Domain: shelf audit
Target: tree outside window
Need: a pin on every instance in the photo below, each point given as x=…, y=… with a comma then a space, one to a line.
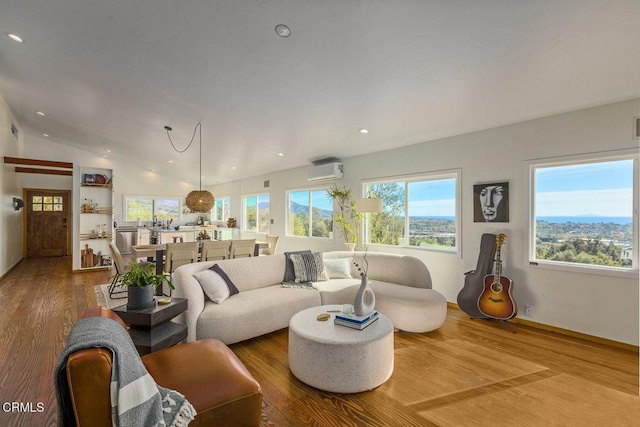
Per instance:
x=421, y=212
x=257, y=215
x=310, y=214
x=222, y=209
x=145, y=208
x=582, y=212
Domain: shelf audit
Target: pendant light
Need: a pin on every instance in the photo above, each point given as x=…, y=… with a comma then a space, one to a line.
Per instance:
x=197, y=200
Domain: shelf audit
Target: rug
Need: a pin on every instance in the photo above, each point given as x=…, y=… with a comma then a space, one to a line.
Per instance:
x=104, y=300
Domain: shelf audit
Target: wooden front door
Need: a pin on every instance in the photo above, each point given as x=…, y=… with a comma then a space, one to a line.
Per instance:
x=47, y=223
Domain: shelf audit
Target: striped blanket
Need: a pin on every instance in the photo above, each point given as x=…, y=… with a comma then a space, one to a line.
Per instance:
x=136, y=399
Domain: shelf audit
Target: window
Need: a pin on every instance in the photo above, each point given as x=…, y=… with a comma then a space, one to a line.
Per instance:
x=145, y=208
x=310, y=213
x=222, y=209
x=418, y=212
x=256, y=213
x=582, y=212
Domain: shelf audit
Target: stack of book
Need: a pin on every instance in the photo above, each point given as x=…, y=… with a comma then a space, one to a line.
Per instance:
x=356, y=322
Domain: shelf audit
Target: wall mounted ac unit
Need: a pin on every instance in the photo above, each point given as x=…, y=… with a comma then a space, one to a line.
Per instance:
x=325, y=172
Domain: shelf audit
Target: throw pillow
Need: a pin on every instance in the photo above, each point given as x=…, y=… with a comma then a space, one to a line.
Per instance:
x=339, y=268
x=289, y=274
x=216, y=284
x=232, y=287
x=307, y=267
x=305, y=285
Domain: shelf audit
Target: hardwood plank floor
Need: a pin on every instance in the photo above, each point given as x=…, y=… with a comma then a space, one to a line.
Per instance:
x=467, y=373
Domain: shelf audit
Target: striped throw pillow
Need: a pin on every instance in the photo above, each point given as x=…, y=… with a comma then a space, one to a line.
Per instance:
x=308, y=267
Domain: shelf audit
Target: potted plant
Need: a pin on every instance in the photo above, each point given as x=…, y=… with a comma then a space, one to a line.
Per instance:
x=141, y=282
x=348, y=218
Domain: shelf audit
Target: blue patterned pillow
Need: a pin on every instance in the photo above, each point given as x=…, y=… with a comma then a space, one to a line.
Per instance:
x=308, y=267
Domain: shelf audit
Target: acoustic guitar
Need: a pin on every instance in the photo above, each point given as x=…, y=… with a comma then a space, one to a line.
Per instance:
x=474, y=279
x=496, y=300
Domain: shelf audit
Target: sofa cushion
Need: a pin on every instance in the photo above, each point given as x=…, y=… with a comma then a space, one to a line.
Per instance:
x=216, y=284
x=339, y=268
x=337, y=291
x=255, y=313
x=289, y=273
x=307, y=267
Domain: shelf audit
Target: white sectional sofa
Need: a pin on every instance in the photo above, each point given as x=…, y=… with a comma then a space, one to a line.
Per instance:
x=402, y=286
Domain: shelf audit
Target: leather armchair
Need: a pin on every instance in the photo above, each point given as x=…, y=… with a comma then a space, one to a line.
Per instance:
x=206, y=372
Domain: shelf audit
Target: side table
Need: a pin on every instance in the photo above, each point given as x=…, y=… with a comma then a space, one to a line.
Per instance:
x=151, y=328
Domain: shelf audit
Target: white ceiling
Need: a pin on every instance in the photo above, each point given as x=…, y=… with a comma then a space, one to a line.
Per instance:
x=110, y=74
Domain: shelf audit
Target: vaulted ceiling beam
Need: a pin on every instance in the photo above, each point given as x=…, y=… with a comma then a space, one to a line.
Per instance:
x=37, y=162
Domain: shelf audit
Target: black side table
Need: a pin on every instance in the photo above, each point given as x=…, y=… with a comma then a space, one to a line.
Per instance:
x=151, y=328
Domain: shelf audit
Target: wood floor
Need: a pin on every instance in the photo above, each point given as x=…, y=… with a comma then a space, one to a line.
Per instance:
x=467, y=373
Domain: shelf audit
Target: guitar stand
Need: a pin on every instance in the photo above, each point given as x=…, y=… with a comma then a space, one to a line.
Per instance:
x=502, y=322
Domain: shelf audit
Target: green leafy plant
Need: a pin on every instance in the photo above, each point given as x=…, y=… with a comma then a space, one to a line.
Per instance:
x=348, y=218
x=143, y=275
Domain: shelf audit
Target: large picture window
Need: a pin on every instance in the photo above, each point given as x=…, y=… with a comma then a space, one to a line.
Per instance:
x=257, y=215
x=310, y=213
x=222, y=209
x=145, y=208
x=582, y=212
x=418, y=212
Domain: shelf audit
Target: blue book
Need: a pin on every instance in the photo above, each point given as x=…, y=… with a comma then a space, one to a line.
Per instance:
x=358, y=320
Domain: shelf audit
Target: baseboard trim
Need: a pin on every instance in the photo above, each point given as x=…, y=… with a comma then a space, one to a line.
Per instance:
x=90, y=270
x=10, y=269
x=567, y=332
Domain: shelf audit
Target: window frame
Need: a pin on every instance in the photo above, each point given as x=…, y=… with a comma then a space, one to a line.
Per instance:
x=531, y=166
x=309, y=190
x=244, y=212
x=126, y=197
x=421, y=177
x=214, y=212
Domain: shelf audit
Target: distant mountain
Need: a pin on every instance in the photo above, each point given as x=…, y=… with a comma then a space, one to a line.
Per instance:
x=298, y=209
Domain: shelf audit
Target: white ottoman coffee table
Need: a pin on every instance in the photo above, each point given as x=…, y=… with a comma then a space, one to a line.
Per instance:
x=336, y=358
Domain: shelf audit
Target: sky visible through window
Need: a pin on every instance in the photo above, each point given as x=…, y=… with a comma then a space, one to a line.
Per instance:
x=302, y=198
x=602, y=189
x=435, y=198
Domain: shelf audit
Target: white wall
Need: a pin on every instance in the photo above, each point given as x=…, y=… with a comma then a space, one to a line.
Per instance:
x=127, y=178
x=10, y=182
x=597, y=305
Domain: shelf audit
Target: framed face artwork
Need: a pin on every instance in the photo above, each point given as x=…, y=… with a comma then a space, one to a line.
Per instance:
x=491, y=202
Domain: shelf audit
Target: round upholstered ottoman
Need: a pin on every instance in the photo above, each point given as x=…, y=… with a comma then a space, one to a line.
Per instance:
x=337, y=358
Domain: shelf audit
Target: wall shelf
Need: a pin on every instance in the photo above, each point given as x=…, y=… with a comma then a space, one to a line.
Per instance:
x=95, y=209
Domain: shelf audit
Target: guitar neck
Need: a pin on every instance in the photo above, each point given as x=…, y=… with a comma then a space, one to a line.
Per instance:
x=498, y=262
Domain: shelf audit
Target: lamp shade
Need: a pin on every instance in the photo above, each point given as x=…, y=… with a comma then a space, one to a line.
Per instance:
x=369, y=205
x=200, y=201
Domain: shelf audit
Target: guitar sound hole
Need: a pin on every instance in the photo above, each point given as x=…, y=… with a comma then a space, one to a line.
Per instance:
x=496, y=287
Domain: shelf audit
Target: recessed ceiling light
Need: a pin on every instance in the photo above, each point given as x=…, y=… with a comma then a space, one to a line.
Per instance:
x=170, y=161
x=40, y=113
x=281, y=154
x=104, y=155
x=45, y=134
x=282, y=30
x=234, y=167
x=153, y=170
x=14, y=37
x=107, y=150
x=364, y=131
